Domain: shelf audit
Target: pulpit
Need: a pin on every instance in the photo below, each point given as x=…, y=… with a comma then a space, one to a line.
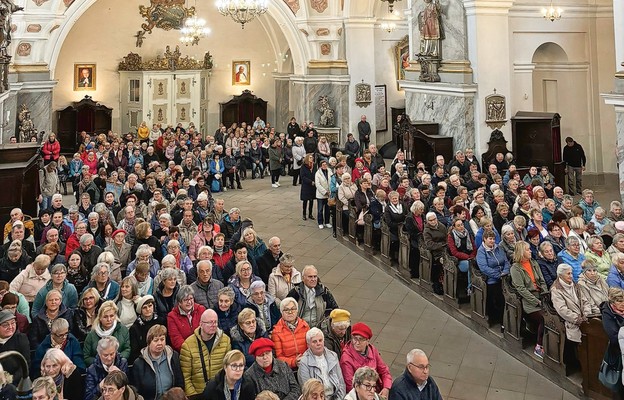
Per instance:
x=19, y=176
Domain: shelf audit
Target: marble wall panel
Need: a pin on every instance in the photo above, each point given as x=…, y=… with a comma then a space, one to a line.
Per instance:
x=304, y=97
x=282, y=109
x=40, y=106
x=9, y=105
x=455, y=45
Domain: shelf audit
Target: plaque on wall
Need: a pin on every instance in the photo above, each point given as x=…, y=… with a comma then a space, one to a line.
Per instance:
x=184, y=112
x=381, y=108
x=184, y=88
x=160, y=89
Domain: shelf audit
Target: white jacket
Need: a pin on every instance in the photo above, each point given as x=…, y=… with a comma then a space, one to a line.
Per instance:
x=322, y=184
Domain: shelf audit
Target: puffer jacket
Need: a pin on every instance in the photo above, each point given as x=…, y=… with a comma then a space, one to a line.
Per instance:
x=192, y=351
x=143, y=374
x=602, y=263
x=179, y=327
x=288, y=344
x=229, y=227
x=351, y=360
x=70, y=296
x=242, y=342
x=40, y=326
x=594, y=292
x=96, y=373
x=280, y=380
x=575, y=263
x=493, y=263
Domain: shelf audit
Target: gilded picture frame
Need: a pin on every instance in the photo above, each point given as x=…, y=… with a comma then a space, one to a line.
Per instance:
x=402, y=58
x=241, y=73
x=85, y=78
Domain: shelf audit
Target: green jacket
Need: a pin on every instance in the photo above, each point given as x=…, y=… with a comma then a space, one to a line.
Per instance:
x=121, y=333
x=522, y=283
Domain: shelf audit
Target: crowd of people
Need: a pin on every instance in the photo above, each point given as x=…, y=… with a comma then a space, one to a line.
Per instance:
x=140, y=292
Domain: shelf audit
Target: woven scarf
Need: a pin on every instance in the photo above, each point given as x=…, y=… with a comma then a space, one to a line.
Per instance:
x=458, y=237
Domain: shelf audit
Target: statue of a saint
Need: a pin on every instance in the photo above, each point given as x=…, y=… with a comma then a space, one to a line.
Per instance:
x=431, y=30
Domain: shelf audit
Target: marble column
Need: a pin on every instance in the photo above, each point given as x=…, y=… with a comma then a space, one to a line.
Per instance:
x=282, y=101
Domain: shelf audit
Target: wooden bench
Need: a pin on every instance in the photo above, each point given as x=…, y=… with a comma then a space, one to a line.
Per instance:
x=594, y=342
x=339, y=227
x=478, y=297
x=455, y=282
x=385, y=243
x=554, y=336
x=404, y=254
x=352, y=222
x=426, y=265
x=512, y=318
x=368, y=234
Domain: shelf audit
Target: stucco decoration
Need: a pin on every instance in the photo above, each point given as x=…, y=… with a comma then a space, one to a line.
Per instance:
x=319, y=5
x=169, y=61
x=325, y=49
x=293, y=5
x=363, y=96
x=23, y=50
x=163, y=14
x=39, y=3
x=304, y=32
x=55, y=27
x=33, y=28
x=322, y=32
x=495, y=107
x=339, y=31
x=13, y=28
x=68, y=2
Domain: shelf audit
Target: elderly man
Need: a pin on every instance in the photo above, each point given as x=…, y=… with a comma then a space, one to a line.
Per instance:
x=460, y=162
x=19, y=232
x=201, y=355
x=415, y=383
x=218, y=212
x=337, y=330
x=127, y=223
x=269, y=373
x=52, y=236
x=89, y=251
x=434, y=236
x=377, y=159
x=315, y=300
x=320, y=363
x=17, y=215
x=206, y=289
x=270, y=259
x=188, y=227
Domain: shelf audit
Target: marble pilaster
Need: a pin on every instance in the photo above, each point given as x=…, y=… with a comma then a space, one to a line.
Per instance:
x=617, y=100
x=282, y=109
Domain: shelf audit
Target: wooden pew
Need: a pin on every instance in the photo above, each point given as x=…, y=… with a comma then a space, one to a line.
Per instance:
x=455, y=282
x=352, y=222
x=385, y=243
x=426, y=264
x=593, y=345
x=368, y=234
x=554, y=336
x=339, y=227
x=512, y=318
x=404, y=254
x=478, y=298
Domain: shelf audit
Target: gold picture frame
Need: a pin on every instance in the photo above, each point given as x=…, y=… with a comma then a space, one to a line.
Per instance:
x=241, y=73
x=85, y=77
x=401, y=58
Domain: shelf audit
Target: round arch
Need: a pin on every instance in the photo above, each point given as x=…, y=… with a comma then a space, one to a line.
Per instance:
x=549, y=52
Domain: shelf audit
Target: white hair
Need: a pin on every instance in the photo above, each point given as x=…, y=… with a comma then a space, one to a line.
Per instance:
x=413, y=353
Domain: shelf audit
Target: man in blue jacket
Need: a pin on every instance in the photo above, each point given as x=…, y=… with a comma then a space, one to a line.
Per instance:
x=415, y=383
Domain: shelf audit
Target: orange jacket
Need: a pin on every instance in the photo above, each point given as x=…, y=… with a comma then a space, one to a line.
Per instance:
x=288, y=344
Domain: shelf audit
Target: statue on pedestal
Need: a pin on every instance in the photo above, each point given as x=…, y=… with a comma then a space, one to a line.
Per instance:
x=431, y=34
x=27, y=129
x=327, y=114
x=7, y=8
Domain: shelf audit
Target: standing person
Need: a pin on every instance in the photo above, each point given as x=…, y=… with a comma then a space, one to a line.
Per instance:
x=415, y=381
x=574, y=157
x=51, y=149
x=364, y=131
x=48, y=184
x=275, y=162
x=321, y=183
x=299, y=154
x=308, y=191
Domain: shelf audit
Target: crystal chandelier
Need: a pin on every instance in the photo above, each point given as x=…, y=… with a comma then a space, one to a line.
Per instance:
x=390, y=4
x=242, y=11
x=388, y=26
x=551, y=13
x=194, y=29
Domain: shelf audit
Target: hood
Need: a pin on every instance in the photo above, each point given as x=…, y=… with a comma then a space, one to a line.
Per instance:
x=237, y=335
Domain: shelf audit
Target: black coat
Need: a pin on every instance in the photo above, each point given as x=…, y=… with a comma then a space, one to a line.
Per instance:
x=143, y=377
x=39, y=327
x=412, y=229
x=214, y=388
x=19, y=343
x=266, y=263
x=308, y=191
x=152, y=242
x=611, y=323
x=138, y=334
x=393, y=220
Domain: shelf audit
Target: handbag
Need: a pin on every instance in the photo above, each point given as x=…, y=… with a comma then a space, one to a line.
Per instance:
x=610, y=372
x=360, y=220
x=331, y=202
x=299, y=162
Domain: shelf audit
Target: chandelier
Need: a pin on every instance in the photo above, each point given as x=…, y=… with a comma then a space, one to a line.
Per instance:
x=388, y=26
x=390, y=4
x=552, y=13
x=242, y=11
x=194, y=29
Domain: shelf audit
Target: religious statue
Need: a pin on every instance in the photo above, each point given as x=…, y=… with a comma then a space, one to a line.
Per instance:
x=207, y=60
x=172, y=57
x=327, y=114
x=27, y=129
x=431, y=29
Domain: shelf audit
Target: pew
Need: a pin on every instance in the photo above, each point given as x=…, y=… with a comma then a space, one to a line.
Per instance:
x=404, y=255
x=478, y=297
x=368, y=234
x=339, y=228
x=455, y=282
x=554, y=336
x=512, y=318
x=385, y=243
x=426, y=264
x=593, y=345
x=352, y=223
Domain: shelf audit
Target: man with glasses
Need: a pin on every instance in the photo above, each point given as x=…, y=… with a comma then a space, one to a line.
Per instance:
x=201, y=355
x=205, y=288
x=60, y=337
x=315, y=300
x=11, y=339
x=415, y=383
x=269, y=373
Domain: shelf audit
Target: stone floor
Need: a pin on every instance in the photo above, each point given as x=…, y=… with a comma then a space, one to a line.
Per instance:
x=465, y=365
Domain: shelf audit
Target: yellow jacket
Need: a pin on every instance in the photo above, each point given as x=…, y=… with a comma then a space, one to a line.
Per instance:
x=143, y=132
x=190, y=362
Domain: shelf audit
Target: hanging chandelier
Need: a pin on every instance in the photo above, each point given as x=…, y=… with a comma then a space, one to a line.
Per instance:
x=388, y=26
x=390, y=4
x=194, y=29
x=242, y=11
x=551, y=13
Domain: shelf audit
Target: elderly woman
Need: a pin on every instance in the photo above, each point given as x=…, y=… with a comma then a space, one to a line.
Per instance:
x=461, y=246
x=60, y=338
x=364, y=385
x=248, y=329
x=598, y=255
x=271, y=374
x=44, y=388
x=106, y=324
x=229, y=383
x=493, y=263
x=322, y=364
x=241, y=281
x=65, y=374
x=166, y=291
x=86, y=313
x=147, y=318
x=600, y=220
x=13, y=262
x=184, y=318
x=548, y=261
x=578, y=230
x=60, y=283
x=144, y=254
x=615, y=277
x=255, y=245
x=593, y=287
x=573, y=256
x=114, y=268
x=107, y=360
x=150, y=382
x=612, y=320
x=143, y=235
x=435, y=240
x=555, y=237
x=264, y=305
x=227, y=309
x=289, y=334
x=394, y=215
x=283, y=278
x=361, y=353
x=128, y=293
x=100, y=280
x=346, y=193
x=618, y=244
x=53, y=251
x=414, y=226
x=485, y=224
x=52, y=309
x=527, y=279
x=33, y=278
x=121, y=250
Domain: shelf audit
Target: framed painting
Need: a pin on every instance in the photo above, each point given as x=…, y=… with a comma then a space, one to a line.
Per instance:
x=241, y=73
x=402, y=58
x=84, y=77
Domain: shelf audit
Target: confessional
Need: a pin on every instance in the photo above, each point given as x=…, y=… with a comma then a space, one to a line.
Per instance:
x=421, y=141
x=19, y=171
x=85, y=115
x=243, y=108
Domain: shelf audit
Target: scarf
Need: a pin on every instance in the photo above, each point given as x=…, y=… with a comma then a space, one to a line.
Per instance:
x=57, y=345
x=620, y=313
x=397, y=209
x=569, y=288
x=58, y=382
x=458, y=237
x=233, y=395
x=419, y=223
x=592, y=281
x=109, y=332
x=292, y=325
x=526, y=265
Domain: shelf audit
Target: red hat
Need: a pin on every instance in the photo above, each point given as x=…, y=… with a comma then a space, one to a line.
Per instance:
x=359, y=159
x=260, y=346
x=118, y=231
x=361, y=329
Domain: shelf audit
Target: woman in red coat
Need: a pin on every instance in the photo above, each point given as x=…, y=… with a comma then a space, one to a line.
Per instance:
x=51, y=149
x=184, y=318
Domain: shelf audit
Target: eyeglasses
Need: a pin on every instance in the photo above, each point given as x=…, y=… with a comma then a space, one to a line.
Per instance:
x=289, y=310
x=188, y=300
x=421, y=367
x=59, y=273
x=102, y=273
x=61, y=335
x=359, y=339
x=369, y=388
x=245, y=269
x=237, y=367
x=109, y=390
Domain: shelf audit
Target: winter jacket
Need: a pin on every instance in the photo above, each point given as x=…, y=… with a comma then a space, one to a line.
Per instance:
x=458, y=252
x=333, y=342
x=435, y=239
x=96, y=373
x=351, y=360
x=215, y=389
x=308, y=369
x=492, y=263
x=179, y=327
x=324, y=301
x=9, y=269
x=164, y=305
x=110, y=292
x=274, y=314
x=18, y=342
x=229, y=227
x=122, y=335
x=572, y=308
x=405, y=388
x=138, y=334
x=602, y=263
x=549, y=269
x=72, y=350
x=522, y=283
x=308, y=191
x=266, y=264
x=242, y=342
x=70, y=296
x=257, y=251
x=143, y=374
x=51, y=151
x=207, y=295
x=588, y=209
x=29, y=283
x=612, y=322
x=575, y=263
x=192, y=351
x=595, y=293
x=280, y=380
x=558, y=244
x=288, y=344
x=230, y=318
x=321, y=183
x=278, y=287
x=40, y=326
x=615, y=278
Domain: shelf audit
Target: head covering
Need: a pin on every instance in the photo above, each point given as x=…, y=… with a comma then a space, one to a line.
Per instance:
x=359, y=159
x=361, y=329
x=15, y=247
x=142, y=301
x=6, y=315
x=619, y=225
x=118, y=231
x=202, y=196
x=340, y=315
x=260, y=346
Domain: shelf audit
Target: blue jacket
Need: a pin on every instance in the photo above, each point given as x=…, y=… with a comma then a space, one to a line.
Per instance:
x=493, y=263
x=242, y=342
x=70, y=296
x=479, y=237
x=615, y=278
x=96, y=373
x=588, y=210
x=549, y=269
x=72, y=350
x=404, y=388
x=576, y=264
x=229, y=319
x=111, y=292
x=217, y=168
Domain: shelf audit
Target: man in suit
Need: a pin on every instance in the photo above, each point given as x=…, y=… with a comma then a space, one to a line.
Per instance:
x=241, y=76
x=85, y=78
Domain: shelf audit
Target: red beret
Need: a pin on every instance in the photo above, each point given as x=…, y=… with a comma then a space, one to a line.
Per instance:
x=118, y=231
x=260, y=346
x=361, y=329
